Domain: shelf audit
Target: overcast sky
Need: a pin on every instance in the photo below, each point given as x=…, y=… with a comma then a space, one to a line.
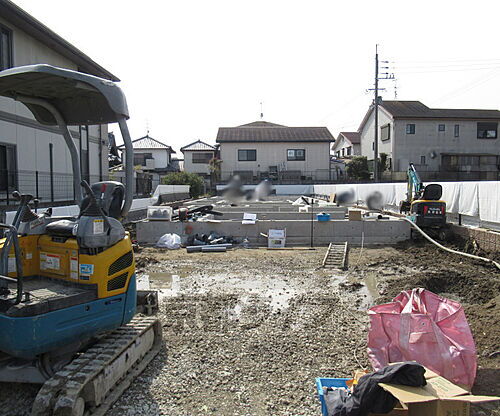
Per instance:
x=189, y=67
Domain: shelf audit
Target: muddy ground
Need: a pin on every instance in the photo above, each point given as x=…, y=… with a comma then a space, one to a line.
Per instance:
x=246, y=332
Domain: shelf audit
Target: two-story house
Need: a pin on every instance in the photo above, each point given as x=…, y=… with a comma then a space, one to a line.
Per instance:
x=347, y=144
x=197, y=157
x=453, y=144
x=263, y=150
x=34, y=158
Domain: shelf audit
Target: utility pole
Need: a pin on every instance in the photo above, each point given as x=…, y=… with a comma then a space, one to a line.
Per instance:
x=376, y=102
x=375, y=147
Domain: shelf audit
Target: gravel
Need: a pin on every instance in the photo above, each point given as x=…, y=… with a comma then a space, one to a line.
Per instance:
x=246, y=332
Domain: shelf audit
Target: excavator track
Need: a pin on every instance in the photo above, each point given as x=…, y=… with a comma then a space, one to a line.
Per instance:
x=91, y=383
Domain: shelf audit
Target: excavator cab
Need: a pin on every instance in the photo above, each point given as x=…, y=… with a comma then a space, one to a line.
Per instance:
x=423, y=205
x=67, y=284
x=429, y=211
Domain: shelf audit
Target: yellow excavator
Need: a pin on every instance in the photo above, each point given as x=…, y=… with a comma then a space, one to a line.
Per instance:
x=424, y=206
x=68, y=296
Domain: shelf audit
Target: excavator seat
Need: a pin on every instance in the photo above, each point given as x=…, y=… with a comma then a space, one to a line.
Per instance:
x=62, y=228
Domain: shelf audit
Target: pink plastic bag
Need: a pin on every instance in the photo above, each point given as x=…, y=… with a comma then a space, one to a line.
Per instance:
x=424, y=327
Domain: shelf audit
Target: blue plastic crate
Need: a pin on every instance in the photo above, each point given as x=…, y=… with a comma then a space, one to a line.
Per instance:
x=323, y=217
x=328, y=382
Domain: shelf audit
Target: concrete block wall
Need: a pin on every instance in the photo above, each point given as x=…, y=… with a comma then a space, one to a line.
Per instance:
x=486, y=239
x=367, y=232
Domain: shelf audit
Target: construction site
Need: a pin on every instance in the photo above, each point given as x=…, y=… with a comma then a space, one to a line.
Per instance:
x=297, y=299
x=247, y=328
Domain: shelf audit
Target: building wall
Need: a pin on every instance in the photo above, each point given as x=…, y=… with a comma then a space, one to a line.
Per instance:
x=189, y=166
x=160, y=156
x=32, y=140
x=344, y=144
x=317, y=156
x=368, y=135
x=427, y=139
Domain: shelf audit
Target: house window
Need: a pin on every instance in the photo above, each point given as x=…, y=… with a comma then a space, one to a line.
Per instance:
x=385, y=132
x=296, y=154
x=422, y=160
x=456, y=131
x=247, y=155
x=343, y=151
x=349, y=151
x=140, y=158
x=441, y=127
x=202, y=157
x=410, y=129
x=8, y=167
x=338, y=153
x=487, y=130
x=5, y=48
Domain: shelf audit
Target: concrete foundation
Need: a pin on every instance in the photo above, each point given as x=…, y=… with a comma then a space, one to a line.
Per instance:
x=282, y=215
x=371, y=231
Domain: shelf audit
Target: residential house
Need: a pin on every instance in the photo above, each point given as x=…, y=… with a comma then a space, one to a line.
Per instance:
x=152, y=159
x=33, y=157
x=347, y=145
x=263, y=150
x=197, y=156
x=444, y=144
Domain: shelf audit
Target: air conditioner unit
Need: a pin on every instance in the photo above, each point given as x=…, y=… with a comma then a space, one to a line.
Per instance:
x=150, y=163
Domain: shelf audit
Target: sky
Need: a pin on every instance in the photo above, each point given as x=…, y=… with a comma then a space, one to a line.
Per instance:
x=190, y=67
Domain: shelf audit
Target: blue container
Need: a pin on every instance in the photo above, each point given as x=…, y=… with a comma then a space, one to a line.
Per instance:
x=323, y=217
x=328, y=382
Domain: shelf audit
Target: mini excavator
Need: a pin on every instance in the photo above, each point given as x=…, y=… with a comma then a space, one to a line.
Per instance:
x=424, y=206
x=68, y=294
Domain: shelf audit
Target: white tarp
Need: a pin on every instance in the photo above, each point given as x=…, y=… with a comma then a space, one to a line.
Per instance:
x=476, y=199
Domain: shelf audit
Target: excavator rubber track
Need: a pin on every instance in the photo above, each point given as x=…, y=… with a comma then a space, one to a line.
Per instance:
x=92, y=382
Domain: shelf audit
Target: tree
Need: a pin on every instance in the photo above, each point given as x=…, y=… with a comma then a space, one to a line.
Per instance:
x=382, y=163
x=215, y=169
x=194, y=181
x=357, y=168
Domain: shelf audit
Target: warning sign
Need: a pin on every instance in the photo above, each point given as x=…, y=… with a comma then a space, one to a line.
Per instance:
x=50, y=261
x=98, y=226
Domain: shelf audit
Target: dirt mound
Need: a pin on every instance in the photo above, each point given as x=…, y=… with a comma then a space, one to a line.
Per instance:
x=449, y=283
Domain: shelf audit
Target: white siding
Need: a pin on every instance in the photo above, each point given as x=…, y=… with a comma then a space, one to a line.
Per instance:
x=32, y=140
x=368, y=135
x=189, y=166
x=317, y=156
x=427, y=139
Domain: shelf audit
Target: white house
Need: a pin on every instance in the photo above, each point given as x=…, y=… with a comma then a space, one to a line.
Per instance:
x=197, y=156
x=153, y=159
x=34, y=158
x=443, y=144
x=347, y=144
x=263, y=150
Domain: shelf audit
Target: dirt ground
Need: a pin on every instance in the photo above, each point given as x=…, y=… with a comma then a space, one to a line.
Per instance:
x=246, y=332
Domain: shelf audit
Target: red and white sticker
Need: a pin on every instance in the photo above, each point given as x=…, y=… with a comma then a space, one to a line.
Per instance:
x=50, y=261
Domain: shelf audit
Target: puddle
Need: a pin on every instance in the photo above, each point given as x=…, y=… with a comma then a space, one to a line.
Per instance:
x=364, y=289
x=275, y=292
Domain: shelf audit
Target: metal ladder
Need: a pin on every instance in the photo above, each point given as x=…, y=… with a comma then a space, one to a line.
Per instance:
x=336, y=256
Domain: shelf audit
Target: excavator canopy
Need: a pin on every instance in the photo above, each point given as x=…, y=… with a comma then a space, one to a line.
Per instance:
x=80, y=98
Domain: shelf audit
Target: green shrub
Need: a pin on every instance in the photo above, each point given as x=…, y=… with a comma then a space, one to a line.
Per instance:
x=357, y=168
x=194, y=181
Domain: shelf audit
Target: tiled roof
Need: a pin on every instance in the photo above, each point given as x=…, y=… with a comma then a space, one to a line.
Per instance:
x=261, y=131
x=415, y=109
x=198, y=145
x=147, y=142
x=261, y=124
x=353, y=136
